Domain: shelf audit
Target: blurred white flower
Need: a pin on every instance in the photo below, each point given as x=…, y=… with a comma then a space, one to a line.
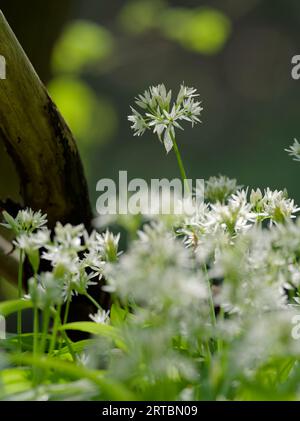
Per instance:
x=277, y=206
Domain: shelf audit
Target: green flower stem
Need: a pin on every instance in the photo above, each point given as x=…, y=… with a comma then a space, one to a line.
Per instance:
x=35, y=332
x=69, y=345
x=66, y=315
x=20, y=294
x=210, y=299
x=93, y=301
x=220, y=341
x=35, y=339
x=55, y=329
x=180, y=164
x=64, y=335
x=38, y=375
x=208, y=351
x=35, y=329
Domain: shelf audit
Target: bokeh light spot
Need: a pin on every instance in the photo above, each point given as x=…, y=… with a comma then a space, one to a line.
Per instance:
x=81, y=44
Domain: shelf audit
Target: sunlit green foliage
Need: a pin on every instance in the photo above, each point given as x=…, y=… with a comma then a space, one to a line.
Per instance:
x=81, y=44
x=203, y=30
x=138, y=16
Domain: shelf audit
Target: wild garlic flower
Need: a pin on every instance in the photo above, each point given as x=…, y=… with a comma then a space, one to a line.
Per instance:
x=157, y=271
x=84, y=359
x=294, y=150
x=236, y=216
x=63, y=251
x=163, y=117
x=62, y=260
x=46, y=290
x=109, y=244
x=26, y=221
x=94, y=260
x=76, y=284
x=256, y=200
x=34, y=241
x=81, y=281
x=101, y=317
x=278, y=207
x=31, y=245
x=218, y=189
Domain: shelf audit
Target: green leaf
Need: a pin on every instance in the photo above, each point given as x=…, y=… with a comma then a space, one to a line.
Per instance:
x=77, y=347
x=117, y=315
x=11, y=342
x=12, y=306
x=34, y=259
x=110, y=389
x=10, y=221
x=106, y=331
x=15, y=380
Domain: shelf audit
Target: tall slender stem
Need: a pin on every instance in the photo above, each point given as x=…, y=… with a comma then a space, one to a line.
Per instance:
x=66, y=315
x=210, y=299
x=46, y=320
x=65, y=336
x=20, y=293
x=180, y=164
x=93, y=301
x=67, y=309
x=35, y=329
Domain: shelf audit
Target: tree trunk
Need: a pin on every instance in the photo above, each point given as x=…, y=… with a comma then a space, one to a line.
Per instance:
x=42, y=152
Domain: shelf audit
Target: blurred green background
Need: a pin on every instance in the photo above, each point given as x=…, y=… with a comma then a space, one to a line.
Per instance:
x=96, y=56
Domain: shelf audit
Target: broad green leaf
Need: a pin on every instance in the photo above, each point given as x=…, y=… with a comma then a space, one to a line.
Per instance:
x=15, y=380
x=10, y=221
x=117, y=315
x=12, y=341
x=34, y=259
x=93, y=328
x=77, y=347
x=106, y=331
x=110, y=389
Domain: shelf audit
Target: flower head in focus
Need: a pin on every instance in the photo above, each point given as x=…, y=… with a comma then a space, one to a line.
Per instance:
x=163, y=117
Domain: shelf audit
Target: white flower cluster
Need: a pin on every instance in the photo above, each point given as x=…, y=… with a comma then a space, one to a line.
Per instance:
x=235, y=213
x=163, y=117
x=157, y=271
x=186, y=289
x=249, y=267
x=77, y=257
